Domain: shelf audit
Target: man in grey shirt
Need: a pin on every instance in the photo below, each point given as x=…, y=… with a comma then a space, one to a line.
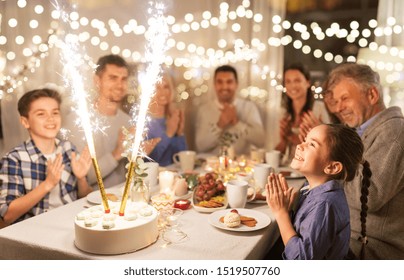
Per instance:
x=111, y=81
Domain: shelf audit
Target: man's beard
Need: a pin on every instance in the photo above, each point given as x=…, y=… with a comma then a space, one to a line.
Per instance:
x=115, y=99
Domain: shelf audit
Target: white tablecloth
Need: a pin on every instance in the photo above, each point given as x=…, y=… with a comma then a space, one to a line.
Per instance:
x=51, y=236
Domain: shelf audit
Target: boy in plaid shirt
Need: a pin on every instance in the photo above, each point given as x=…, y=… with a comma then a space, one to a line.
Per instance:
x=43, y=172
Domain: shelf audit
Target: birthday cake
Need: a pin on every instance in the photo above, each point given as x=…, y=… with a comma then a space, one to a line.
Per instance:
x=100, y=233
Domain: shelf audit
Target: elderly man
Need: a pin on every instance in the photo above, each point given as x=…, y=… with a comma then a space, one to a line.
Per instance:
x=358, y=100
x=238, y=117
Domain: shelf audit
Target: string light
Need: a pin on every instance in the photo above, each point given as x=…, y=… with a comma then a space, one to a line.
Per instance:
x=9, y=83
x=198, y=57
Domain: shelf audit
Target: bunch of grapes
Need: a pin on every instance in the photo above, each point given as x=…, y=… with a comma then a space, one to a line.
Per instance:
x=209, y=186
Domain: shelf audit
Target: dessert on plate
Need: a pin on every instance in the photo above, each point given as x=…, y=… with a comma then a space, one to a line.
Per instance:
x=234, y=219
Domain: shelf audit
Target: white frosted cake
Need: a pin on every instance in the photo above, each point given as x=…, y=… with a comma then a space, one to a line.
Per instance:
x=108, y=234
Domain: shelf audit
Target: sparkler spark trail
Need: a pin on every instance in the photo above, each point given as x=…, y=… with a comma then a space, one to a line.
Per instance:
x=155, y=54
x=156, y=36
x=73, y=63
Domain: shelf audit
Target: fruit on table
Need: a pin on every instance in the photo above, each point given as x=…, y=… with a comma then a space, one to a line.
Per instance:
x=209, y=186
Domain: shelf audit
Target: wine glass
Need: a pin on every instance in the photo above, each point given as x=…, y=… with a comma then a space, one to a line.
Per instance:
x=169, y=220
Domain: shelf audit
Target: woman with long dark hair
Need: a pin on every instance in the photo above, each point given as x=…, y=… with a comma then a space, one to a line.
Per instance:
x=297, y=101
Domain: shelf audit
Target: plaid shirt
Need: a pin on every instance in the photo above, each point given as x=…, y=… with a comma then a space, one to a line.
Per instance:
x=24, y=168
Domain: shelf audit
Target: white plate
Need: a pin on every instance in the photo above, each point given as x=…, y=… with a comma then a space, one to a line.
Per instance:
x=262, y=220
x=205, y=209
x=95, y=196
x=293, y=175
x=208, y=210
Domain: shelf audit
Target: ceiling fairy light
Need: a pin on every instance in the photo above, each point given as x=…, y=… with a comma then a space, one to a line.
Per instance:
x=95, y=32
x=39, y=9
x=20, y=74
x=12, y=22
x=21, y=3
x=192, y=24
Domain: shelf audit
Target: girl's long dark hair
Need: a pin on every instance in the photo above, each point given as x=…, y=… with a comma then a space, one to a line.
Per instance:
x=346, y=147
x=366, y=174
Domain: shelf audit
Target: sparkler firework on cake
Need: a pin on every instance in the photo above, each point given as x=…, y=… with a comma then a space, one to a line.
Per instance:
x=127, y=226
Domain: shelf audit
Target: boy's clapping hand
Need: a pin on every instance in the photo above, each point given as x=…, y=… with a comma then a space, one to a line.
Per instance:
x=81, y=164
x=54, y=171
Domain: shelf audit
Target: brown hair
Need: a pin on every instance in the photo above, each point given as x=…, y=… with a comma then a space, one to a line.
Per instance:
x=226, y=68
x=26, y=100
x=287, y=102
x=110, y=59
x=346, y=146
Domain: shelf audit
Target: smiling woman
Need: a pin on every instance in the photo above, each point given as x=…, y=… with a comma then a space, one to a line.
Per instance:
x=298, y=100
x=167, y=122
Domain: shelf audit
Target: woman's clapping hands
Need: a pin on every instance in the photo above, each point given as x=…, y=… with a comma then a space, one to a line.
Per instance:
x=175, y=123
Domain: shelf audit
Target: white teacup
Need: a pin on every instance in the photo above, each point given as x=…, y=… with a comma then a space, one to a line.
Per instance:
x=236, y=191
x=186, y=159
x=273, y=158
x=261, y=173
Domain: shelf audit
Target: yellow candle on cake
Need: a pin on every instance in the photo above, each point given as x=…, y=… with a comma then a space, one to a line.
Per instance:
x=100, y=185
x=131, y=169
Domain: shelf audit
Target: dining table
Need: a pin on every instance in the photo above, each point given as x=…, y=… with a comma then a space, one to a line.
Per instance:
x=51, y=235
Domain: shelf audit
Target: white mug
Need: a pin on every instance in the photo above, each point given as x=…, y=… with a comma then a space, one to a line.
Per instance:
x=273, y=158
x=236, y=191
x=261, y=173
x=186, y=159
